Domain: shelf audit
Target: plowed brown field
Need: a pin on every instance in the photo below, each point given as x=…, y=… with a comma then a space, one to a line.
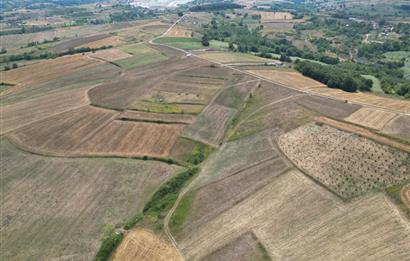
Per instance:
x=157, y=117
x=113, y=41
x=111, y=54
x=143, y=245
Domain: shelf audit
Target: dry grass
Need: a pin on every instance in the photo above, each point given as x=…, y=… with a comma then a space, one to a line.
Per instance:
x=46, y=71
x=365, y=98
x=274, y=16
x=143, y=245
x=133, y=139
x=111, y=55
x=399, y=126
x=231, y=57
x=371, y=118
x=23, y=113
x=346, y=163
x=294, y=217
x=57, y=208
x=112, y=40
x=157, y=117
x=291, y=79
x=405, y=195
x=179, y=31
x=90, y=131
x=219, y=116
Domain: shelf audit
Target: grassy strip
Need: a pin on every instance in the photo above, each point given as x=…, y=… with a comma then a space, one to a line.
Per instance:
x=264, y=253
x=394, y=193
x=181, y=212
x=155, y=210
x=108, y=246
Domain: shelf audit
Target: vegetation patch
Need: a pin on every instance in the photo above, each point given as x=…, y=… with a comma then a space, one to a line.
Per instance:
x=142, y=55
x=108, y=246
x=395, y=193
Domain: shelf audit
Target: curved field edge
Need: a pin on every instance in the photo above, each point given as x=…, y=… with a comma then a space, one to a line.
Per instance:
x=153, y=213
x=47, y=200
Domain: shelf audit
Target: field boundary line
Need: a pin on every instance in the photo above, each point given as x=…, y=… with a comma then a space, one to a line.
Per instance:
x=361, y=131
x=396, y=213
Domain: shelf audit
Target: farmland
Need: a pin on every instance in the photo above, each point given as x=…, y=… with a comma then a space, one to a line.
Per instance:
x=48, y=201
x=143, y=151
x=311, y=213
x=346, y=163
x=371, y=118
x=144, y=245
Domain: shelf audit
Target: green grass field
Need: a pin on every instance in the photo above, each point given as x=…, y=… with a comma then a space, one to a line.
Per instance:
x=190, y=43
x=142, y=55
x=376, y=87
x=397, y=56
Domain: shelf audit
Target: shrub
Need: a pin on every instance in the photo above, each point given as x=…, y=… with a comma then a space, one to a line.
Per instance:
x=108, y=246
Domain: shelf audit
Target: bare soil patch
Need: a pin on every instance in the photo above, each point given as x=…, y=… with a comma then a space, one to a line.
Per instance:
x=371, y=118
x=143, y=245
x=346, y=163
x=77, y=42
x=179, y=31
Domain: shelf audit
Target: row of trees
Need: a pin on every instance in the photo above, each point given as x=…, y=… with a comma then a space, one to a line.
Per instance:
x=334, y=76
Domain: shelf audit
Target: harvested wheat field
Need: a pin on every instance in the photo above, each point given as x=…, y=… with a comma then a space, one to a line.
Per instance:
x=394, y=105
x=274, y=16
x=59, y=209
x=62, y=134
x=131, y=139
x=371, y=118
x=290, y=79
x=245, y=248
x=329, y=107
x=179, y=31
x=143, y=245
x=111, y=55
x=400, y=127
x=231, y=57
x=346, y=163
x=220, y=116
x=23, y=113
x=92, y=131
x=46, y=71
x=405, y=195
x=156, y=117
x=292, y=207
x=78, y=41
x=109, y=41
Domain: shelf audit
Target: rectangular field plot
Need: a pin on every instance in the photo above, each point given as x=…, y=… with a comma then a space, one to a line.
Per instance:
x=372, y=118
x=76, y=42
x=133, y=139
x=53, y=208
x=290, y=79
x=292, y=208
x=111, y=55
x=399, y=127
x=231, y=57
x=156, y=117
x=346, y=163
x=211, y=124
